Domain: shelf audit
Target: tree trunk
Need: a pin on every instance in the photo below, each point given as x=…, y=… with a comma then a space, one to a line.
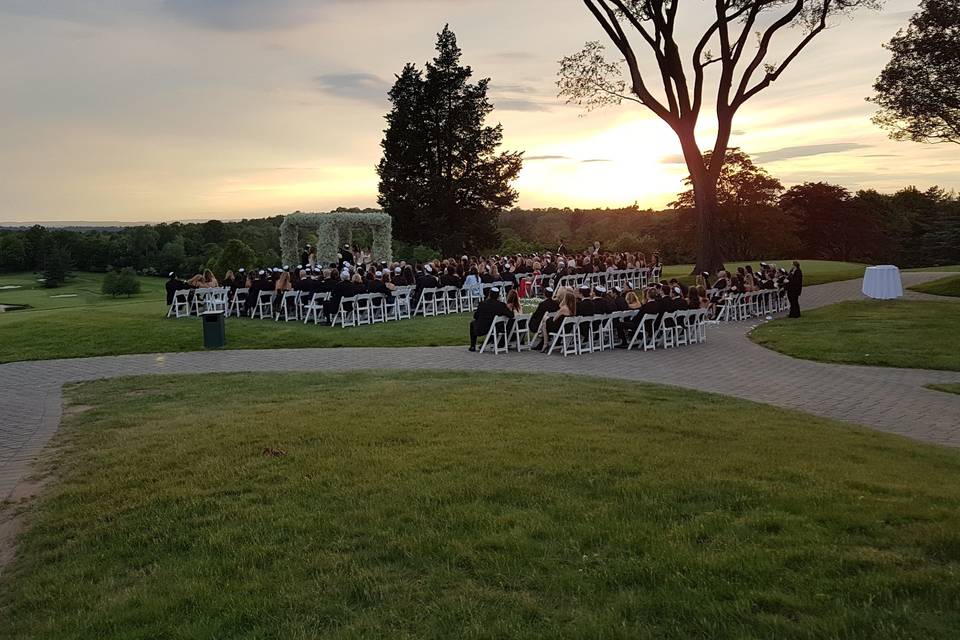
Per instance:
x=709, y=257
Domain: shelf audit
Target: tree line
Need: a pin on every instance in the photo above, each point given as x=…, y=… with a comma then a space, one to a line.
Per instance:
x=758, y=218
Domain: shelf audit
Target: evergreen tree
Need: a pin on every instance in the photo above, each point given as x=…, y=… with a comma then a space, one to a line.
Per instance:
x=441, y=178
x=56, y=265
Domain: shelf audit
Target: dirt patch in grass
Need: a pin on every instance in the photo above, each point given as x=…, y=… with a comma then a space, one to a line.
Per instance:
x=13, y=513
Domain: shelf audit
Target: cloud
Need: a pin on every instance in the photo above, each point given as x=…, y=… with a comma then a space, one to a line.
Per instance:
x=806, y=150
x=595, y=160
x=525, y=89
x=544, y=158
x=520, y=105
x=364, y=87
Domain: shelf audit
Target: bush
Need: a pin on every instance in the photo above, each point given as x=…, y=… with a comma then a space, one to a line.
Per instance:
x=123, y=283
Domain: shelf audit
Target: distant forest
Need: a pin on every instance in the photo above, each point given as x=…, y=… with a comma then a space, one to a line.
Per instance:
x=815, y=220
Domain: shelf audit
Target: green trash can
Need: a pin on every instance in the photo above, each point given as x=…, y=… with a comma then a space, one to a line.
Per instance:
x=214, y=330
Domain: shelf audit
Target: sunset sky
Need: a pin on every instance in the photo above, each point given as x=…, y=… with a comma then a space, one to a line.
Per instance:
x=148, y=110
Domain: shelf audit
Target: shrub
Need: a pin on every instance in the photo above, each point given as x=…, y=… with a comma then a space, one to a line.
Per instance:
x=123, y=283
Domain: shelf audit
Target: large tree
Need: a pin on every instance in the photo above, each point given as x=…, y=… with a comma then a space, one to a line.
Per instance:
x=742, y=37
x=919, y=90
x=831, y=223
x=441, y=178
x=750, y=220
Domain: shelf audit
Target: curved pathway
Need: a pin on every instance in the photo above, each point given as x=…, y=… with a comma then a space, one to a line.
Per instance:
x=891, y=400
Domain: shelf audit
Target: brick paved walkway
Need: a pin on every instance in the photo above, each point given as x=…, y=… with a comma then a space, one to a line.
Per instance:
x=891, y=400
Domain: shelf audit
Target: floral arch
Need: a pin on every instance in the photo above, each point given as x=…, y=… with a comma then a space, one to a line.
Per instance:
x=332, y=229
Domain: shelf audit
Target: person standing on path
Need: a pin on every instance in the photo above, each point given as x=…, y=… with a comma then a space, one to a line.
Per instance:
x=794, y=289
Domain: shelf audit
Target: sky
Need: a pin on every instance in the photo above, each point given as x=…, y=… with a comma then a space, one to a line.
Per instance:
x=153, y=110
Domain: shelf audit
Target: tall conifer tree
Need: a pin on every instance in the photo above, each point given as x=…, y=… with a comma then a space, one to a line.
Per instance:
x=441, y=178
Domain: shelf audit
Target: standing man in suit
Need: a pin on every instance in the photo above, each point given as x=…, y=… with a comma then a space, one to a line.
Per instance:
x=485, y=314
x=794, y=289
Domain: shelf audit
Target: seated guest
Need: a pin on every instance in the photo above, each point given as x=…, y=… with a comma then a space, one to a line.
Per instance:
x=567, y=308
x=207, y=280
x=549, y=305
x=485, y=314
x=173, y=285
x=513, y=302
x=282, y=285
x=584, y=302
x=343, y=289
x=450, y=278
x=601, y=305
x=620, y=297
x=677, y=301
x=377, y=285
x=676, y=283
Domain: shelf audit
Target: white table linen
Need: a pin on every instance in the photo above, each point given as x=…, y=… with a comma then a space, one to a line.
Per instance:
x=882, y=282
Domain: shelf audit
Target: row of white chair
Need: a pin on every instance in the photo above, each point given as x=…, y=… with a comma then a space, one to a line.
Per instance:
x=438, y=301
x=578, y=335
x=752, y=304
x=370, y=308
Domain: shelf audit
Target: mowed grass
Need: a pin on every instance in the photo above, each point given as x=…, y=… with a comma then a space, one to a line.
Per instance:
x=896, y=333
x=944, y=268
x=943, y=287
x=439, y=505
x=87, y=323
x=91, y=324
x=946, y=388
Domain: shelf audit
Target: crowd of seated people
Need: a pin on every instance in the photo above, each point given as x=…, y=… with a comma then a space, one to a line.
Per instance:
x=344, y=279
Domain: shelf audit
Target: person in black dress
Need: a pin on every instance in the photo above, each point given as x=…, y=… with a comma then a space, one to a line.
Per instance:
x=794, y=289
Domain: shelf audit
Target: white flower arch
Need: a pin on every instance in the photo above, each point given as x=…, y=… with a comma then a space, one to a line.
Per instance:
x=331, y=228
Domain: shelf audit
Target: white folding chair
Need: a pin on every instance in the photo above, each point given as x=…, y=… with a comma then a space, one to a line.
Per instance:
x=644, y=333
x=289, y=307
x=313, y=309
x=346, y=314
x=238, y=302
x=567, y=337
x=180, y=305
x=521, y=331
x=264, y=307
x=427, y=304
x=497, y=336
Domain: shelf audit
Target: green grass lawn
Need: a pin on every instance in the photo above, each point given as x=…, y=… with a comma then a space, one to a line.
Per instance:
x=449, y=505
x=945, y=268
x=946, y=388
x=78, y=321
x=896, y=333
x=943, y=287
x=91, y=324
